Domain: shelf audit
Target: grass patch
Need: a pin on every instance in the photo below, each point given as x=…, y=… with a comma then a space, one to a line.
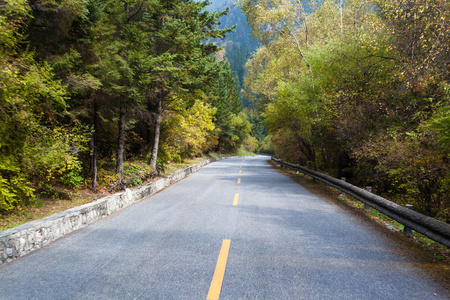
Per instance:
x=173, y=166
x=245, y=152
x=43, y=208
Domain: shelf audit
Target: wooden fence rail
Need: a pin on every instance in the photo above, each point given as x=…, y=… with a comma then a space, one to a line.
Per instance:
x=430, y=227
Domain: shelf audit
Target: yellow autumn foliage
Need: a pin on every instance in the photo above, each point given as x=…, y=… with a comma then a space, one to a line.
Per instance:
x=188, y=133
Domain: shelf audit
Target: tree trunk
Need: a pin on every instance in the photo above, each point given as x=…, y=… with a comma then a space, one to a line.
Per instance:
x=121, y=141
x=93, y=144
x=154, y=156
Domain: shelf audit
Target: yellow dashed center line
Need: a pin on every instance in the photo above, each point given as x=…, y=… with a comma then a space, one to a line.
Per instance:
x=239, y=180
x=216, y=283
x=240, y=171
x=236, y=198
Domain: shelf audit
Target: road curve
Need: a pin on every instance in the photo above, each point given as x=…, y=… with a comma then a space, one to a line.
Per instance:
x=237, y=229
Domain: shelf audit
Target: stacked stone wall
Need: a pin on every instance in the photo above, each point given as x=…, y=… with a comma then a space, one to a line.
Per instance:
x=23, y=239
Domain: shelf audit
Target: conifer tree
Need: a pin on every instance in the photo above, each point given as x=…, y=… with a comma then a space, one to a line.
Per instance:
x=180, y=60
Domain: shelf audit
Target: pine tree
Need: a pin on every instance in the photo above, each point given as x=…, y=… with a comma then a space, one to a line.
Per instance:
x=180, y=61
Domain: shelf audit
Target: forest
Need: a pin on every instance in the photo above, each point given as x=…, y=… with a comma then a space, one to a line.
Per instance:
x=358, y=89
x=89, y=85
x=353, y=88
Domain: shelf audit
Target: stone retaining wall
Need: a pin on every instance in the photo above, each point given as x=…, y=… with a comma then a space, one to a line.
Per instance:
x=23, y=239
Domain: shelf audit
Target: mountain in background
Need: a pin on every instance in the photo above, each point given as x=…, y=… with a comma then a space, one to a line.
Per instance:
x=218, y=4
x=243, y=35
x=238, y=45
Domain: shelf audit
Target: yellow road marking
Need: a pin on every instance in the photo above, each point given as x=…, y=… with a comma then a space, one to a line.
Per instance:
x=216, y=283
x=239, y=180
x=240, y=171
x=236, y=198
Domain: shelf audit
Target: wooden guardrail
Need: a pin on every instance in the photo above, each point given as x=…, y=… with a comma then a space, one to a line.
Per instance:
x=430, y=227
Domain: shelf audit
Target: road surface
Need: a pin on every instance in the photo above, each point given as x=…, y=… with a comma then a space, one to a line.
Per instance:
x=237, y=229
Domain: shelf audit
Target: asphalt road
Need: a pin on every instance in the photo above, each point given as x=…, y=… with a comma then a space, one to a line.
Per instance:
x=250, y=235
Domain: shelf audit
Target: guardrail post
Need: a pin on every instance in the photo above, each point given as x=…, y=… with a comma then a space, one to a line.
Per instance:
x=342, y=193
x=369, y=189
x=407, y=230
